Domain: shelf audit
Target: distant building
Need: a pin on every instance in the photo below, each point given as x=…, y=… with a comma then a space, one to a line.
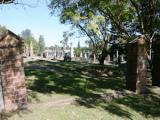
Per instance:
x=58, y=52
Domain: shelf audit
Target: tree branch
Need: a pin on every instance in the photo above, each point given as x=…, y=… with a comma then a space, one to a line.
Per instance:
x=82, y=29
x=139, y=16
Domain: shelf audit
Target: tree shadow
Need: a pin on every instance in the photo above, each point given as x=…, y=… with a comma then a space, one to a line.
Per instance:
x=69, y=78
x=115, y=109
x=148, y=105
x=94, y=88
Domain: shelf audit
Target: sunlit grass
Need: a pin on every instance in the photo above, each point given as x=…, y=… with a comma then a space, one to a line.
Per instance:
x=97, y=94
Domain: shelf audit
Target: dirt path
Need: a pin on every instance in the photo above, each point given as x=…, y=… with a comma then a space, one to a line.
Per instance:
x=58, y=103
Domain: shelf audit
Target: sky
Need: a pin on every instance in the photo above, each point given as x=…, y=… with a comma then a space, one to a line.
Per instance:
x=37, y=18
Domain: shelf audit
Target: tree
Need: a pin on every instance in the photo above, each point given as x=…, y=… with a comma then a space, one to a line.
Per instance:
x=27, y=36
x=30, y=40
x=2, y=29
x=65, y=40
x=94, y=26
x=6, y=1
x=41, y=44
x=127, y=19
x=78, y=50
x=143, y=19
x=51, y=48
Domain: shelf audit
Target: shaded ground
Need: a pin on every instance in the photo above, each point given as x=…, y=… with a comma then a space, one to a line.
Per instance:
x=78, y=91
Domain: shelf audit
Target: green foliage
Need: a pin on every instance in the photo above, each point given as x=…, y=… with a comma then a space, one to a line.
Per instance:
x=2, y=29
x=65, y=40
x=41, y=44
x=99, y=19
x=35, y=46
x=95, y=96
x=28, y=39
x=78, y=50
x=88, y=22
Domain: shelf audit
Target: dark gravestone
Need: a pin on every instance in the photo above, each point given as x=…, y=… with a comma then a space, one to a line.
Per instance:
x=136, y=65
x=156, y=62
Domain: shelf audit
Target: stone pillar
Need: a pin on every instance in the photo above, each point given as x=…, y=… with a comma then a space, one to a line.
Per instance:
x=136, y=65
x=156, y=61
x=12, y=75
x=72, y=52
x=122, y=58
x=141, y=66
x=85, y=56
x=94, y=59
x=81, y=55
x=117, y=55
x=108, y=58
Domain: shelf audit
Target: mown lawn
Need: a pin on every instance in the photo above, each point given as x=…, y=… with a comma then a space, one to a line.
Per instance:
x=80, y=91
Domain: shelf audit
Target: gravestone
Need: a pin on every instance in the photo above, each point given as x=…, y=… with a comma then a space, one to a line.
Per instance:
x=72, y=52
x=136, y=65
x=156, y=62
x=108, y=58
x=12, y=87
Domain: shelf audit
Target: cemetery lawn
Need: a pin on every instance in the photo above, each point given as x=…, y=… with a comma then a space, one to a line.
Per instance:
x=81, y=91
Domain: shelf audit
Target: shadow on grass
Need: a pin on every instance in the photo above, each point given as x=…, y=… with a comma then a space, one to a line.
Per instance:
x=148, y=105
x=71, y=78
x=90, y=84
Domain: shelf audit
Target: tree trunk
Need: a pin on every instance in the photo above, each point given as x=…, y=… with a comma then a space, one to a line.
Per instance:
x=103, y=56
x=101, y=61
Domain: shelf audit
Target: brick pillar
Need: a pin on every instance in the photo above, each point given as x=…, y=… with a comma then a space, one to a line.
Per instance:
x=13, y=79
x=136, y=65
x=141, y=66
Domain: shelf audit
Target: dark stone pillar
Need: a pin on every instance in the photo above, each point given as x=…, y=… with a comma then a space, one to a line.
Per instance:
x=136, y=65
x=156, y=63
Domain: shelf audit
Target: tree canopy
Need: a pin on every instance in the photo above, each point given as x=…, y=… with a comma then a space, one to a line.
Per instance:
x=6, y=1
x=41, y=44
x=104, y=21
x=29, y=39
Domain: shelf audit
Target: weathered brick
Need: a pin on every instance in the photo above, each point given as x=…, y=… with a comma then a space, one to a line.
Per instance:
x=12, y=72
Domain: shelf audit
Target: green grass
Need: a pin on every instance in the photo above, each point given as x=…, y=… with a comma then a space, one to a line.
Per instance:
x=94, y=92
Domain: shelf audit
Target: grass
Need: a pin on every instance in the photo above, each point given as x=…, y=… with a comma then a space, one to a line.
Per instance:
x=92, y=94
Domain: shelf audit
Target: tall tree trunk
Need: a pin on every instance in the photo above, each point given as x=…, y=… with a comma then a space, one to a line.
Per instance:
x=103, y=56
x=101, y=61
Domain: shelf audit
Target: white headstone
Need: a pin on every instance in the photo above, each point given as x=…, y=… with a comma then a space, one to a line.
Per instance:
x=108, y=58
x=81, y=55
x=122, y=58
x=85, y=55
x=72, y=52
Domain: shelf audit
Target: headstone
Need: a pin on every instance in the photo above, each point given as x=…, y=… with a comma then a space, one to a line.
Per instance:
x=156, y=61
x=72, y=52
x=12, y=72
x=136, y=65
x=122, y=58
x=85, y=55
x=94, y=58
x=108, y=58
x=81, y=54
x=117, y=54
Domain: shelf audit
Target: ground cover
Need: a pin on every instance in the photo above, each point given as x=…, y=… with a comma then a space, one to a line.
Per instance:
x=82, y=91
